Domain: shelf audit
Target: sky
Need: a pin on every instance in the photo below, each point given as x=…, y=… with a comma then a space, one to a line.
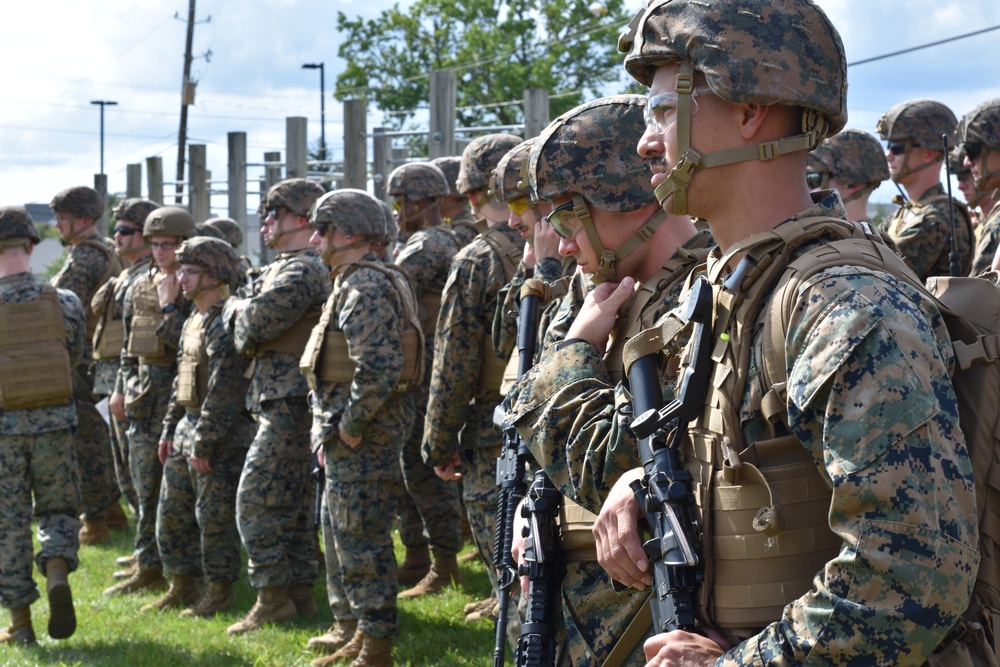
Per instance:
x=60, y=55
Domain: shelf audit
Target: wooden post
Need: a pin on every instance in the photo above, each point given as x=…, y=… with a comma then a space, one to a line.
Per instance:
x=381, y=162
x=355, y=145
x=154, y=179
x=237, y=188
x=296, y=147
x=198, y=202
x=444, y=98
x=101, y=185
x=133, y=180
x=536, y=111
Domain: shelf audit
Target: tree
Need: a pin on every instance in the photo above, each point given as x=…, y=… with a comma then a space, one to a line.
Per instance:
x=497, y=48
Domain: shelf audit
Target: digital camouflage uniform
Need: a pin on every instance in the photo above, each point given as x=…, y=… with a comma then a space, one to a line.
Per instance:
x=87, y=268
x=989, y=241
x=361, y=482
x=852, y=157
x=464, y=226
x=274, y=489
x=981, y=127
x=38, y=472
x=220, y=430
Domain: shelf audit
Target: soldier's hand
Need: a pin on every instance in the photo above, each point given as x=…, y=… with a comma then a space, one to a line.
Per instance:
x=165, y=449
x=619, y=548
x=546, y=241
x=599, y=313
x=203, y=466
x=349, y=440
x=116, y=404
x=449, y=472
x=517, y=544
x=684, y=649
x=167, y=289
x=528, y=256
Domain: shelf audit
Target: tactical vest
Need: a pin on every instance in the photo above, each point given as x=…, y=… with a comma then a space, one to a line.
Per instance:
x=326, y=357
x=34, y=362
x=192, y=367
x=926, y=206
x=293, y=340
x=113, y=268
x=492, y=367
x=109, y=336
x=147, y=316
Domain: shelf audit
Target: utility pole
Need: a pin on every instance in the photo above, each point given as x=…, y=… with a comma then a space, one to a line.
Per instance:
x=102, y=104
x=182, y=134
x=322, y=108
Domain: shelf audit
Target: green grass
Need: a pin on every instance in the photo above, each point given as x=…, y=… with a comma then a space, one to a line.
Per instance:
x=111, y=630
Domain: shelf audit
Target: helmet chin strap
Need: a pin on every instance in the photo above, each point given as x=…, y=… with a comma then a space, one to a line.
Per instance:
x=608, y=259
x=985, y=176
x=906, y=170
x=199, y=288
x=672, y=192
x=280, y=232
x=327, y=256
x=75, y=234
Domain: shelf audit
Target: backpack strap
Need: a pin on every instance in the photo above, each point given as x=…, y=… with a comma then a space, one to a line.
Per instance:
x=509, y=253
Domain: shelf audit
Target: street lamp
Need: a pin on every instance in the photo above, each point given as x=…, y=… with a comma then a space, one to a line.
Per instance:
x=322, y=107
x=103, y=103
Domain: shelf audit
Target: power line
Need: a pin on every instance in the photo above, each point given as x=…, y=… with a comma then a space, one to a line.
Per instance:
x=922, y=46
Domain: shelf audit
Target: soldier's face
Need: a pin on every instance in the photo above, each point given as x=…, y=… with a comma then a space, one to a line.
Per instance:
x=69, y=224
x=967, y=184
x=522, y=218
x=164, y=248
x=573, y=239
x=194, y=279
x=128, y=237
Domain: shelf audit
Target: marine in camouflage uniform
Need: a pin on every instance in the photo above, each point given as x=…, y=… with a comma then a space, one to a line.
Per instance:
x=357, y=413
x=429, y=509
x=921, y=227
x=153, y=316
x=206, y=432
x=90, y=263
x=38, y=472
x=455, y=207
x=980, y=137
x=108, y=306
x=602, y=207
x=869, y=412
x=271, y=324
x=851, y=162
x=460, y=400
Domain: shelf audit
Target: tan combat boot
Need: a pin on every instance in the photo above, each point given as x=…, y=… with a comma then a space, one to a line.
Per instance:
x=184, y=591
x=414, y=567
x=20, y=631
x=480, y=609
x=348, y=651
x=273, y=606
x=302, y=597
x=335, y=638
x=443, y=573
x=217, y=597
x=375, y=652
x=116, y=517
x=95, y=532
x=62, y=616
x=118, y=575
x=145, y=579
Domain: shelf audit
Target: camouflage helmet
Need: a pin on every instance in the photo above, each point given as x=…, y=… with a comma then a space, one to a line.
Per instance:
x=982, y=124
x=450, y=165
x=480, y=158
x=751, y=51
x=920, y=122
x=294, y=194
x=81, y=201
x=204, y=229
x=852, y=156
x=391, y=234
x=956, y=161
x=418, y=180
x=134, y=210
x=583, y=152
x=228, y=228
x=510, y=180
x=214, y=255
x=351, y=211
x=16, y=226
x=169, y=221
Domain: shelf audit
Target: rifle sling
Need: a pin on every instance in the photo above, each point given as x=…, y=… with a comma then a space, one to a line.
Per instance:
x=632, y=637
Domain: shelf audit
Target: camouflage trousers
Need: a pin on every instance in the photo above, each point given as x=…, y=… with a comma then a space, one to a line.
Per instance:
x=147, y=473
x=479, y=493
x=98, y=485
x=272, y=502
x=118, y=431
x=429, y=508
x=360, y=564
x=196, y=519
x=39, y=467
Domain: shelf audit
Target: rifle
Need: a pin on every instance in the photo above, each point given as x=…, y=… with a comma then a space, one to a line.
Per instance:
x=954, y=261
x=319, y=477
x=514, y=455
x=536, y=646
x=665, y=491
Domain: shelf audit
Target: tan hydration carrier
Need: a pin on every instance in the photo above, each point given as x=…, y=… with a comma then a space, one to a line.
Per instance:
x=109, y=336
x=146, y=319
x=492, y=367
x=192, y=368
x=114, y=267
x=34, y=363
x=327, y=354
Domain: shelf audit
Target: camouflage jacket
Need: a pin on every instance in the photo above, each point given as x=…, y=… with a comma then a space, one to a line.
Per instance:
x=464, y=226
x=296, y=283
x=989, y=241
x=106, y=370
x=426, y=259
x=921, y=230
x=223, y=420
x=468, y=305
x=585, y=457
x=22, y=288
x=366, y=309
